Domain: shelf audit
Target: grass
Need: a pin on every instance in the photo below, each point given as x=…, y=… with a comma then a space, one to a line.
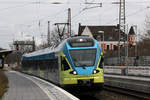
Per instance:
x=3, y=83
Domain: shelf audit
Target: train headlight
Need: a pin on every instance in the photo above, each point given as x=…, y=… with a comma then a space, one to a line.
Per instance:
x=95, y=71
x=73, y=72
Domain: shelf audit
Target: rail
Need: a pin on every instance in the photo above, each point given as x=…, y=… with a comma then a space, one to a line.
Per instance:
x=128, y=92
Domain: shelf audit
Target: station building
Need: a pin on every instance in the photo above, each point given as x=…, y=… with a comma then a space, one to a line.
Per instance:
x=107, y=36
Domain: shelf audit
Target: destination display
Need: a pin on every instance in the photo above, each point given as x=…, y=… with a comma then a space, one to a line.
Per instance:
x=81, y=44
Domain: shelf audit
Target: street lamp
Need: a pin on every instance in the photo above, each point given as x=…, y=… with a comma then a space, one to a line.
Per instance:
x=135, y=26
x=127, y=42
x=102, y=32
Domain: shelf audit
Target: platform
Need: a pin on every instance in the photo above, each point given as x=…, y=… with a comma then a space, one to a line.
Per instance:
x=136, y=83
x=25, y=87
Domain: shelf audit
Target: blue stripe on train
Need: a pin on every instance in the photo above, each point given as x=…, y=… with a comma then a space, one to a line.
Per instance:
x=41, y=57
x=86, y=71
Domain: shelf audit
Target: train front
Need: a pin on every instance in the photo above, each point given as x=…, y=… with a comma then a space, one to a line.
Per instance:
x=82, y=62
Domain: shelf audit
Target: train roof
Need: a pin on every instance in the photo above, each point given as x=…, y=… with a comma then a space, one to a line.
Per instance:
x=45, y=51
x=54, y=49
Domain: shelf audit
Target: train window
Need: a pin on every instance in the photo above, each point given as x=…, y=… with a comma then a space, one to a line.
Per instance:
x=85, y=57
x=64, y=65
x=50, y=64
x=43, y=65
x=101, y=62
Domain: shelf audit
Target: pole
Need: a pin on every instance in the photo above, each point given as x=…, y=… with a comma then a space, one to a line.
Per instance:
x=127, y=52
x=102, y=34
x=61, y=34
x=103, y=51
x=103, y=43
x=135, y=40
x=136, y=52
x=48, y=34
x=119, y=34
x=69, y=22
x=121, y=27
x=33, y=45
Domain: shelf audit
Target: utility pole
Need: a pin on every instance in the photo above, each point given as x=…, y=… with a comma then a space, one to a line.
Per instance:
x=48, y=34
x=61, y=34
x=69, y=22
x=122, y=22
x=33, y=45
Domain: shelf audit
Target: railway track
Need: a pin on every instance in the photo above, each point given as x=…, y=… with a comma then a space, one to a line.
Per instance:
x=111, y=93
x=138, y=95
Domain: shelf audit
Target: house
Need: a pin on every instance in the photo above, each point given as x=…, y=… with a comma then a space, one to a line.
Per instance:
x=132, y=37
x=107, y=33
x=108, y=36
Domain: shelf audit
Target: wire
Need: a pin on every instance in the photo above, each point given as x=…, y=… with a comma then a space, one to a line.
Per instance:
x=22, y=5
x=53, y=17
x=77, y=14
x=18, y=6
x=85, y=8
x=42, y=19
x=134, y=13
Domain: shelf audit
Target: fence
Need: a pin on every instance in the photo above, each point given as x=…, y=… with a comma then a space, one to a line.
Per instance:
x=132, y=61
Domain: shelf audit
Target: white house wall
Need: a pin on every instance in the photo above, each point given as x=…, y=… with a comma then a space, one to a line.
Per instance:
x=110, y=43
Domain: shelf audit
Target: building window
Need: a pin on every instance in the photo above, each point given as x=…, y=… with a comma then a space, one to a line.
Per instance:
x=114, y=47
x=98, y=38
x=110, y=38
x=95, y=37
x=107, y=47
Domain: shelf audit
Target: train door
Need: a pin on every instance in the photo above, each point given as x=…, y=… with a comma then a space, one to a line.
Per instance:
x=64, y=68
x=61, y=68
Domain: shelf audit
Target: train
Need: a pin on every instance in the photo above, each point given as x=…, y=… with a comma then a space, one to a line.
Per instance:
x=76, y=61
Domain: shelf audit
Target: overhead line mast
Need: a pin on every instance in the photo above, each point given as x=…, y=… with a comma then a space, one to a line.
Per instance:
x=122, y=22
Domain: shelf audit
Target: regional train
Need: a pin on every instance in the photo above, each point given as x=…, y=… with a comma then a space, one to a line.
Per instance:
x=77, y=61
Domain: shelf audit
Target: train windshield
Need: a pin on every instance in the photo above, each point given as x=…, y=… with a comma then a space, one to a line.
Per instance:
x=85, y=57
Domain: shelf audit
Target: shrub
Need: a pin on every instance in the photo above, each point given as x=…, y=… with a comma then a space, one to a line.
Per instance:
x=3, y=83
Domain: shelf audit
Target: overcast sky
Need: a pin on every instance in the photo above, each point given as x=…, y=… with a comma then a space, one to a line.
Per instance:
x=23, y=16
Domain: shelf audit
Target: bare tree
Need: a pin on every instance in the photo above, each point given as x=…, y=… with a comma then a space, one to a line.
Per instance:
x=147, y=27
x=58, y=36
x=143, y=45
